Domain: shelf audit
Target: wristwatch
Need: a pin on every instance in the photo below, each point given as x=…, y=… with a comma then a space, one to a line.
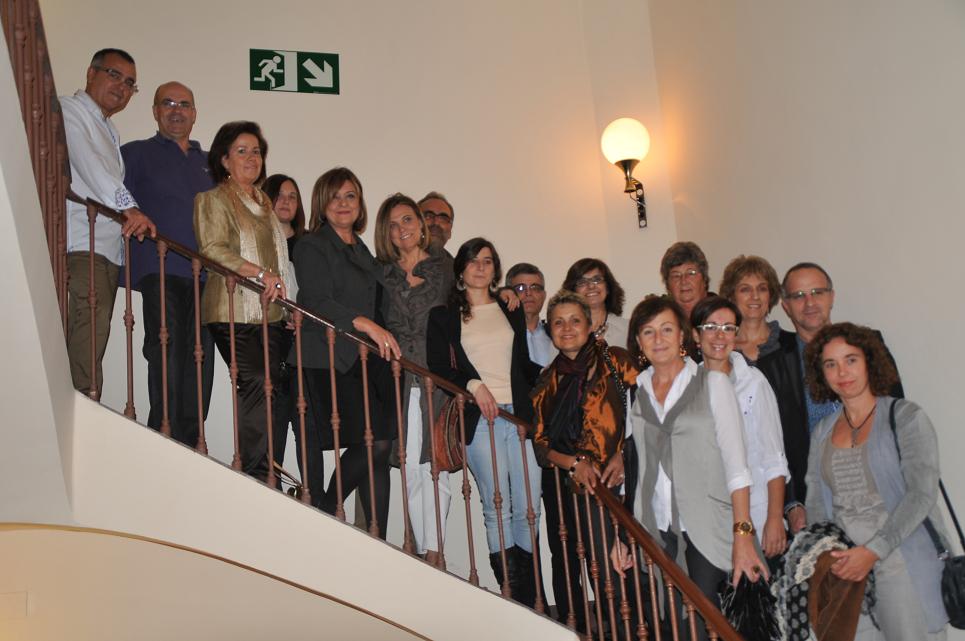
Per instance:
x=260, y=275
x=744, y=527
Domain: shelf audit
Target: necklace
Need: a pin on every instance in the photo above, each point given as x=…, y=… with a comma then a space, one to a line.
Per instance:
x=856, y=429
x=600, y=331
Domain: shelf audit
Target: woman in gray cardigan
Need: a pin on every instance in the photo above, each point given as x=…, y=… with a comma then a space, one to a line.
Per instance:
x=880, y=496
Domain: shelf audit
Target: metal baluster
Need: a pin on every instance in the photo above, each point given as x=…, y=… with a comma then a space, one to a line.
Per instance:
x=654, y=602
x=498, y=504
x=638, y=594
x=434, y=473
x=691, y=616
x=165, y=337
x=584, y=565
x=230, y=284
x=129, y=331
x=624, y=602
x=594, y=567
x=466, y=488
x=336, y=427
x=564, y=536
x=538, y=604
x=608, y=588
x=672, y=608
x=202, y=445
x=369, y=440
x=302, y=406
x=272, y=479
x=403, y=427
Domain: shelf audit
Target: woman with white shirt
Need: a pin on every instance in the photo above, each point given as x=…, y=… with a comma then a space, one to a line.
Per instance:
x=477, y=343
x=716, y=322
x=694, y=479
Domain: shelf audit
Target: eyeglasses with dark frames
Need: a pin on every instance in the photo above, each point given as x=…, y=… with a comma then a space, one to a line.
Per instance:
x=117, y=76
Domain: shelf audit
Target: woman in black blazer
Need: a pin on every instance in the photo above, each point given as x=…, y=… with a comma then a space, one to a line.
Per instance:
x=492, y=363
x=340, y=280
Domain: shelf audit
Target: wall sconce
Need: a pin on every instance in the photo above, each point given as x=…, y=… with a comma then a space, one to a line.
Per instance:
x=625, y=143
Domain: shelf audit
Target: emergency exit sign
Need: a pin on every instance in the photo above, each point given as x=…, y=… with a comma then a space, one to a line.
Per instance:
x=293, y=71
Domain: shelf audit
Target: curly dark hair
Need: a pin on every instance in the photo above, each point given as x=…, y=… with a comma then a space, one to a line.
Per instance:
x=882, y=374
x=743, y=266
x=467, y=251
x=644, y=312
x=615, y=295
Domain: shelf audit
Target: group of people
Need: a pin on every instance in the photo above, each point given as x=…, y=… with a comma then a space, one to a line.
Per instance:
x=724, y=432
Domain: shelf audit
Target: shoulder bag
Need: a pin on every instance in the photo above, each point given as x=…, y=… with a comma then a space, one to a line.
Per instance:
x=953, y=574
x=446, y=445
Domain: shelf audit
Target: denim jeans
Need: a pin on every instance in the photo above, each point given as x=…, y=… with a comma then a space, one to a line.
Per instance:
x=512, y=488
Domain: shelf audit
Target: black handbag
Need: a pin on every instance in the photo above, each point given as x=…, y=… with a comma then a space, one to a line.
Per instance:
x=953, y=574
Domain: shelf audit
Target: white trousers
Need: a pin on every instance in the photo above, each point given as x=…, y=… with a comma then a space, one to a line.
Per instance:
x=418, y=478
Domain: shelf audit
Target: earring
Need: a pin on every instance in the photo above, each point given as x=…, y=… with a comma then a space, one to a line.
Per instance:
x=494, y=285
x=683, y=351
x=460, y=284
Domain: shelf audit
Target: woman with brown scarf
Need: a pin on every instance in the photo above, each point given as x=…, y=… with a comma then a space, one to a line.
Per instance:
x=580, y=417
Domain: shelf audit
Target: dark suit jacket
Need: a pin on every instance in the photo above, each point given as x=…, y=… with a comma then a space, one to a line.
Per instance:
x=782, y=368
x=338, y=282
x=445, y=329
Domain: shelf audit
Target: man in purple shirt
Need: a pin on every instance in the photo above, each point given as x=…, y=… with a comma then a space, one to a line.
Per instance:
x=165, y=173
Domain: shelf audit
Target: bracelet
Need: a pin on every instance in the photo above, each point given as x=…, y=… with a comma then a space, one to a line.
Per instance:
x=579, y=457
x=260, y=275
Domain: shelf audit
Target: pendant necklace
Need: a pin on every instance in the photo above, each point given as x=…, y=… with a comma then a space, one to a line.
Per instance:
x=855, y=429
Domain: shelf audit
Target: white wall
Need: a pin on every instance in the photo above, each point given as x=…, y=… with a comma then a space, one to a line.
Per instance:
x=831, y=131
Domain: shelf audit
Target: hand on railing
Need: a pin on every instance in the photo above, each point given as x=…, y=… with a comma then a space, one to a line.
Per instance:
x=137, y=224
x=613, y=474
x=274, y=288
x=385, y=342
x=486, y=402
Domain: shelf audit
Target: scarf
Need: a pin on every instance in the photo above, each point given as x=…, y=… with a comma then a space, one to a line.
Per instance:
x=259, y=207
x=565, y=422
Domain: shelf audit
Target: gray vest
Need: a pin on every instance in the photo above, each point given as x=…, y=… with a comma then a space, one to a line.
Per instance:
x=685, y=444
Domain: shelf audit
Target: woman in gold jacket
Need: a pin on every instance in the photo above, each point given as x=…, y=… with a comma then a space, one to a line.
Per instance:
x=235, y=226
x=580, y=418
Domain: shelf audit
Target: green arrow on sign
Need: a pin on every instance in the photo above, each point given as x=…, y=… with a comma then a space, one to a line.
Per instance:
x=293, y=71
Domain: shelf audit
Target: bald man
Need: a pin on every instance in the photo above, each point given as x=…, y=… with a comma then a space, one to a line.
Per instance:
x=165, y=173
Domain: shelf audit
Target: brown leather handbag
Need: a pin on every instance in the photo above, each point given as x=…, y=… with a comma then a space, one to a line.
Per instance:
x=446, y=445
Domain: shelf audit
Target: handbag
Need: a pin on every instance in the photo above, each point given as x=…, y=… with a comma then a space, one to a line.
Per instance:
x=447, y=447
x=953, y=574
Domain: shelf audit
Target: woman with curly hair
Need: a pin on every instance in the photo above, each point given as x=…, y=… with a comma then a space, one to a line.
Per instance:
x=873, y=470
x=592, y=279
x=751, y=283
x=477, y=343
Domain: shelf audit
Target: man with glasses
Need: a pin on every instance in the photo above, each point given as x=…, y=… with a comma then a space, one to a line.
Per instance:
x=97, y=172
x=685, y=274
x=437, y=210
x=528, y=283
x=164, y=173
x=807, y=296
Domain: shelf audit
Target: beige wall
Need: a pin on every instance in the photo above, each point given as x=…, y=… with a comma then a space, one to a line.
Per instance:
x=833, y=132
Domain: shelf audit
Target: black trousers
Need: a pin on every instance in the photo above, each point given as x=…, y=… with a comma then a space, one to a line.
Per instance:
x=284, y=407
x=705, y=574
x=252, y=408
x=182, y=371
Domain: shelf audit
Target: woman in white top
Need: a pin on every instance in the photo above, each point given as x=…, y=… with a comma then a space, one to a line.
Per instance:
x=694, y=479
x=593, y=280
x=716, y=322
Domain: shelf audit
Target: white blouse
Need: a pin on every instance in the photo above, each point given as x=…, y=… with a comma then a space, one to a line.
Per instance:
x=728, y=428
x=763, y=437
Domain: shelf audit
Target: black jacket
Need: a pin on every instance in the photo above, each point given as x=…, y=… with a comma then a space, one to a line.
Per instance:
x=445, y=329
x=782, y=368
x=338, y=282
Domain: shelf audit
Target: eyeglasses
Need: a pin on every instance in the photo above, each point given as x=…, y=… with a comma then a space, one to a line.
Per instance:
x=117, y=76
x=815, y=292
x=431, y=216
x=521, y=288
x=167, y=103
x=676, y=277
x=713, y=328
x=586, y=282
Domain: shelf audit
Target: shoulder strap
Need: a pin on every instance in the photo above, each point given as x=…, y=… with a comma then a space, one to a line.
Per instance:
x=932, y=533
x=621, y=388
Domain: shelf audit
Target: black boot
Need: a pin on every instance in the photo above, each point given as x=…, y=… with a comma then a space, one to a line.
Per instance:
x=523, y=583
x=496, y=563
